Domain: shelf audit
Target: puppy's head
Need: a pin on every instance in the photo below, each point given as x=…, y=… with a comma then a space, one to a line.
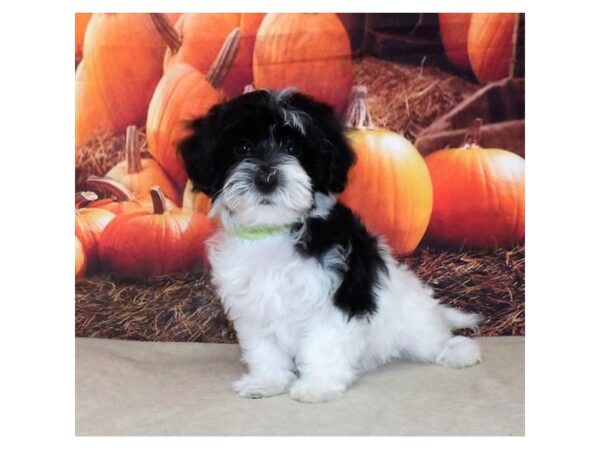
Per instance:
x=264, y=155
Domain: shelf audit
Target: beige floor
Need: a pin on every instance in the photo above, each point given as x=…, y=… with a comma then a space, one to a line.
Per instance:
x=141, y=388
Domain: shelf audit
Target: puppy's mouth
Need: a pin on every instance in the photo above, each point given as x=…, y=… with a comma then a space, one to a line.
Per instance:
x=265, y=201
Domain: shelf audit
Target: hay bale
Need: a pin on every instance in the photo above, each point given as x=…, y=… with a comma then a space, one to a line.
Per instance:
x=488, y=282
x=181, y=307
x=185, y=306
x=406, y=98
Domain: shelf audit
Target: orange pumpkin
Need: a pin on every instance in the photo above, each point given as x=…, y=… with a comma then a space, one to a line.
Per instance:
x=81, y=22
x=478, y=195
x=197, y=39
x=121, y=199
x=491, y=45
x=89, y=223
x=310, y=52
x=118, y=74
x=454, y=31
x=80, y=260
x=182, y=94
x=138, y=174
x=143, y=244
x=389, y=186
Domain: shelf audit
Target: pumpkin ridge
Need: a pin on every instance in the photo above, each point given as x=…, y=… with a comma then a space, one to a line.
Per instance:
x=184, y=247
x=390, y=194
x=115, y=112
x=99, y=95
x=170, y=101
x=495, y=47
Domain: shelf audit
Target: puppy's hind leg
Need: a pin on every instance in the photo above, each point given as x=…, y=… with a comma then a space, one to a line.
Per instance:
x=439, y=345
x=459, y=351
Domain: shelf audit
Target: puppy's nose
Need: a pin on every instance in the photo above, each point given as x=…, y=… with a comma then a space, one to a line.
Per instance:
x=266, y=179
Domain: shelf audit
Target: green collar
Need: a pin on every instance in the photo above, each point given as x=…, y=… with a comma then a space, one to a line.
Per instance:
x=255, y=233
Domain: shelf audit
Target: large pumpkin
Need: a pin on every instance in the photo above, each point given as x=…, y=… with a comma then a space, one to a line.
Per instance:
x=454, y=31
x=389, y=186
x=196, y=39
x=115, y=80
x=140, y=174
x=89, y=223
x=307, y=51
x=184, y=93
x=143, y=244
x=478, y=195
x=491, y=45
x=81, y=22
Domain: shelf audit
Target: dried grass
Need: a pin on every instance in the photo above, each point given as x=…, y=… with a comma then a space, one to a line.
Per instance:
x=407, y=98
x=185, y=307
x=179, y=307
x=489, y=282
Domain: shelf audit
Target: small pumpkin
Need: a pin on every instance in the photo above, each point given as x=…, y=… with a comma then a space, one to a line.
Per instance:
x=141, y=244
x=182, y=94
x=196, y=39
x=478, y=195
x=115, y=80
x=389, y=186
x=491, y=44
x=310, y=52
x=80, y=260
x=81, y=22
x=120, y=198
x=454, y=31
x=89, y=223
x=138, y=174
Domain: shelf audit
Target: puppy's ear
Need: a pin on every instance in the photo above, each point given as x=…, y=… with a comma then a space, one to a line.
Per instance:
x=199, y=153
x=326, y=132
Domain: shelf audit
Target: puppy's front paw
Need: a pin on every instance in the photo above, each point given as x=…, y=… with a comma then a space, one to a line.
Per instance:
x=254, y=386
x=315, y=392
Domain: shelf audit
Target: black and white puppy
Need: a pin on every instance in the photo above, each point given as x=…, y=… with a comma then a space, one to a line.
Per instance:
x=315, y=299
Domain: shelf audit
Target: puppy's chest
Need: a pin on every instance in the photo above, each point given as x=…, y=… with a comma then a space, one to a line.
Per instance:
x=268, y=280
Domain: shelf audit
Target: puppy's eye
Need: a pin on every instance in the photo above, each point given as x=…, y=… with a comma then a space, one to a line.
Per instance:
x=291, y=148
x=243, y=149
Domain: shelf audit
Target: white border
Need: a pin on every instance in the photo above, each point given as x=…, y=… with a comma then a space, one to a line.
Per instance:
x=562, y=230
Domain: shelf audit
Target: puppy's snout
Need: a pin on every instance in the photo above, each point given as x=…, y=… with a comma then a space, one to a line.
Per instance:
x=266, y=179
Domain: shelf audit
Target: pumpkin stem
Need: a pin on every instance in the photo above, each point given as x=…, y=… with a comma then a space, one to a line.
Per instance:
x=473, y=135
x=166, y=31
x=117, y=190
x=222, y=63
x=84, y=197
x=159, y=205
x=248, y=88
x=132, y=150
x=357, y=114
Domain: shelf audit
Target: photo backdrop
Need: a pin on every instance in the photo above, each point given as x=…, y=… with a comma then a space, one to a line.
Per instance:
x=434, y=106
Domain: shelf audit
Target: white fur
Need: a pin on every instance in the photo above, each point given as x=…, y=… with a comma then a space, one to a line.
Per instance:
x=240, y=203
x=292, y=336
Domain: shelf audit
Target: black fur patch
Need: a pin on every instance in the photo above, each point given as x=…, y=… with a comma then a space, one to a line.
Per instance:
x=209, y=151
x=364, y=264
